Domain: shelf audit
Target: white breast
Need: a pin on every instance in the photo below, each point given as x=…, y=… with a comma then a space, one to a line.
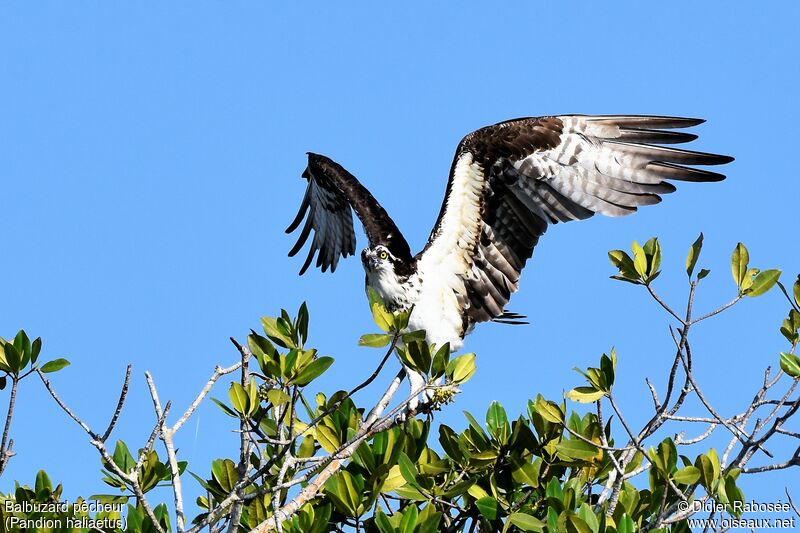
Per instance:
x=448, y=261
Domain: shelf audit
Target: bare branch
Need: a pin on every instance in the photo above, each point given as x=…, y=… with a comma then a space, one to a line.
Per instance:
x=218, y=373
x=94, y=436
x=5, y=452
x=663, y=304
x=122, y=395
x=166, y=437
x=718, y=310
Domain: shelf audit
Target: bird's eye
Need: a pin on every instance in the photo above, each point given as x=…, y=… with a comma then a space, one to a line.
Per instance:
x=383, y=255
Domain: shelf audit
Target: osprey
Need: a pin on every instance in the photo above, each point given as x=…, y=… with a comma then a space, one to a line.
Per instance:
x=507, y=183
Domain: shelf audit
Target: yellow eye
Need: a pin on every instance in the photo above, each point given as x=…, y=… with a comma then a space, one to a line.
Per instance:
x=384, y=255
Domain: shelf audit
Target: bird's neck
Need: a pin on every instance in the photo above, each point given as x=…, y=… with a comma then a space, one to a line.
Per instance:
x=398, y=293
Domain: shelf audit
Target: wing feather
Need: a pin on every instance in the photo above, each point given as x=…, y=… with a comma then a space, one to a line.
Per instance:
x=524, y=174
x=330, y=198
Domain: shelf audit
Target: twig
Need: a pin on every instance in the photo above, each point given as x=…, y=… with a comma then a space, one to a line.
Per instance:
x=789, y=496
x=81, y=423
x=218, y=373
x=663, y=304
x=718, y=310
x=122, y=395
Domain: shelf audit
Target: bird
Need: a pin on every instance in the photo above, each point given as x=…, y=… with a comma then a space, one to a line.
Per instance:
x=508, y=183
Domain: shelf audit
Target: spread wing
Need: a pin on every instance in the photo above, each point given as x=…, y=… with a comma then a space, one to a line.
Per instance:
x=330, y=197
x=510, y=180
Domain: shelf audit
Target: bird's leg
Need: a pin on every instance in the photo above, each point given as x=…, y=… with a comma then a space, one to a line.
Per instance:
x=416, y=381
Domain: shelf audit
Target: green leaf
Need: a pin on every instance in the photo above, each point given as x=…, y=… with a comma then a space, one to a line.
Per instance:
x=790, y=363
x=554, y=489
x=327, y=438
x=526, y=522
x=625, y=524
x=43, y=485
x=488, y=507
x=608, y=365
x=576, y=449
x=461, y=368
x=703, y=273
x=36, y=347
x=624, y=263
x=277, y=332
x=411, y=336
x=306, y=448
x=739, y=260
x=549, y=410
x=252, y=397
x=420, y=354
x=694, y=255
x=734, y=494
x=238, y=397
x=749, y=276
x=277, y=397
x=225, y=409
x=344, y=486
x=585, y=513
x=382, y=317
x=525, y=472
x=313, y=370
x=122, y=457
x=374, y=340
x=23, y=345
x=796, y=291
x=790, y=326
x=763, y=282
x=382, y=521
x=687, y=475
x=54, y=366
x=302, y=323
x=407, y=469
x=440, y=360
x=3, y=360
x=585, y=394
x=497, y=421
x=639, y=259
x=13, y=358
x=577, y=524
x=409, y=520
x=225, y=474
x=652, y=250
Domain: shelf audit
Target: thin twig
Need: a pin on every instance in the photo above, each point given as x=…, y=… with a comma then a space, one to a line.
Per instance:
x=218, y=373
x=122, y=395
x=718, y=310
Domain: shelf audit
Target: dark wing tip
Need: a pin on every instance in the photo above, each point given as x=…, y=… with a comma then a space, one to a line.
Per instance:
x=677, y=172
x=645, y=121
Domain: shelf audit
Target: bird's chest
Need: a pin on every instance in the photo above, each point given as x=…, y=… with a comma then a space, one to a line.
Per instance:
x=436, y=305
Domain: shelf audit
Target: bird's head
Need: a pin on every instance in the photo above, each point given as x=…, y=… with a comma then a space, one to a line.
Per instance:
x=378, y=260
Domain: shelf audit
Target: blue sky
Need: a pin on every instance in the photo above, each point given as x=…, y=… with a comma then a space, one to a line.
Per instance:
x=150, y=158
